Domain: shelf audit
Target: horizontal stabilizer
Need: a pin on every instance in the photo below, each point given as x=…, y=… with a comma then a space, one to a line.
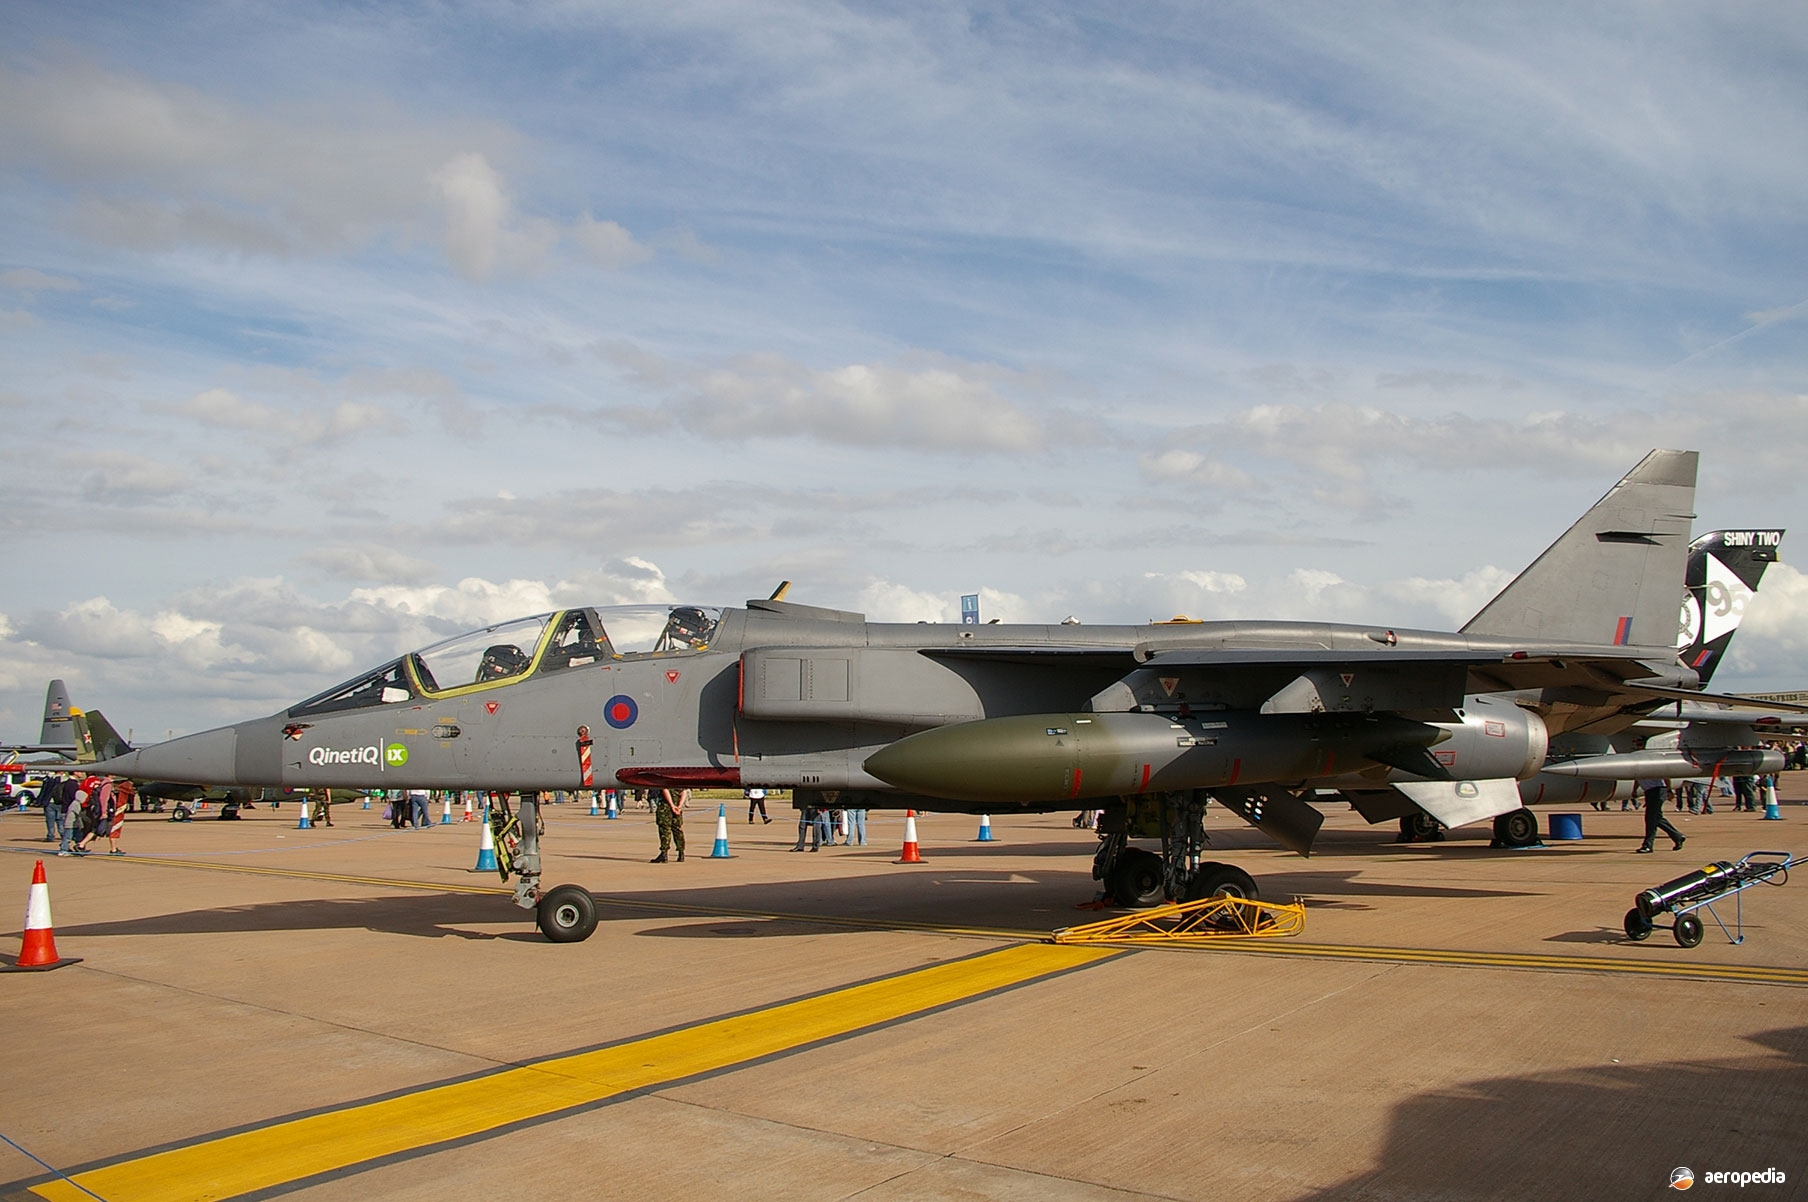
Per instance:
x=1732, y=699
x=1458, y=803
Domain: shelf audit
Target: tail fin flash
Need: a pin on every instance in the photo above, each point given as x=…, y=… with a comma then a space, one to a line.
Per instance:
x=1724, y=570
x=1614, y=575
x=59, y=727
x=99, y=741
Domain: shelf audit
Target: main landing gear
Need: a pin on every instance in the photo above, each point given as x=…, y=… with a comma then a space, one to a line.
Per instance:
x=1138, y=878
x=1516, y=828
x=1420, y=827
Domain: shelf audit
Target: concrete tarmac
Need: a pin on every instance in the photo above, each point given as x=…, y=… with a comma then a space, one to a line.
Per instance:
x=352, y=1013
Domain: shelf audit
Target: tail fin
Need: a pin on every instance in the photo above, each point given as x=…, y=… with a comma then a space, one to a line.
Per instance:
x=59, y=729
x=1614, y=575
x=98, y=739
x=1724, y=570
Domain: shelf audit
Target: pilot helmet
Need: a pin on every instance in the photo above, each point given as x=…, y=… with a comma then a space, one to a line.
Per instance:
x=502, y=660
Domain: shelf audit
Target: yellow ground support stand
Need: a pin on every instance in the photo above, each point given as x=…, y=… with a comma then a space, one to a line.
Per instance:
x=1184, y=924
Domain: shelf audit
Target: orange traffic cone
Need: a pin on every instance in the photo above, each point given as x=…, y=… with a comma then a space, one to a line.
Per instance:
x=911, y=855
x=39, y=949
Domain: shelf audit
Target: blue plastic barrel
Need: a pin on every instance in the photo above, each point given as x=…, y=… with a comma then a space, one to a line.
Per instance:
x=1566, y=826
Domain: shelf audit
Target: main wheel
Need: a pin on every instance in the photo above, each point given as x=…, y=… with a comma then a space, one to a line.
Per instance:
x=1688, y=930
x=1420, y=827
x=1221, y=880
x=1137, y=882
x=566, y=914
x=1638, y=927
x=1517, y=828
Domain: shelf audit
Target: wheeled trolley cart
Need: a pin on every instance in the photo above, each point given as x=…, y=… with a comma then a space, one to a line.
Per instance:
x=1699, y=890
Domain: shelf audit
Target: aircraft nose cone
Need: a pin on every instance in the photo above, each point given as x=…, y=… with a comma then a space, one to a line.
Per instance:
x=209, y=758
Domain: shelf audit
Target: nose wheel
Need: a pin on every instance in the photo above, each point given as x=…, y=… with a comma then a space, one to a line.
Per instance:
x=566, y=914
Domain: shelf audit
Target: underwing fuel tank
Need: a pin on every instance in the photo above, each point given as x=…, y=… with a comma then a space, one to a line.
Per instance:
x=1672, y=765
x=1044, y=757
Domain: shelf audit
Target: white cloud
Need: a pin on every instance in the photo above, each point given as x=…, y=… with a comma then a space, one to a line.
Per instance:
x=483, y=233
x=1776, y=616
x=30, y=279
x=1455, y=600
x=160, y=165
x=1192, y=468
x=936, y=404
x=375, y=564
x=117, y=476
x=684, y=243
x=470, y=603
x=627, y=581
x=607, y=244
x=886, y=601
x=223, y=408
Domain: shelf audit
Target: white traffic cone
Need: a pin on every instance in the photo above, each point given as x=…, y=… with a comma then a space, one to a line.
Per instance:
x=720, y=851
x=614, y=798
x=307, y=803
x=37, y=952
x=486, y=850
x=985, y=829
x=445, y=818
x=1771, y=810
x=911, y=855
x=594, y=808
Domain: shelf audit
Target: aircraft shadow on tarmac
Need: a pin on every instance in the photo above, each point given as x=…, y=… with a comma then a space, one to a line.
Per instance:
x=1611, y=1131
x=1075, y=853
x=913, y=899
x=427, y=914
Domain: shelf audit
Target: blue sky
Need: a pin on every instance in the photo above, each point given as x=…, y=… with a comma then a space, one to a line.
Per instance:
x=328, y=329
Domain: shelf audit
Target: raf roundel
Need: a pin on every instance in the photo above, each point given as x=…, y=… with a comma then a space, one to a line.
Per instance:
x=620, y=711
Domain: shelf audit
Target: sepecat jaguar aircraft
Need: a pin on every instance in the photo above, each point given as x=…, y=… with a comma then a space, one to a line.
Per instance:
x=1147, y=723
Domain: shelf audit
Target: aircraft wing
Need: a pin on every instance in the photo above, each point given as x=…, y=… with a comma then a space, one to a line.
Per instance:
x=1668, y=693
x=1072, y=657
x=1332, y=680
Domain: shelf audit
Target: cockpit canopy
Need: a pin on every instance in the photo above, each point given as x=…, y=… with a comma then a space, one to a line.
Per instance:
x=512, y=651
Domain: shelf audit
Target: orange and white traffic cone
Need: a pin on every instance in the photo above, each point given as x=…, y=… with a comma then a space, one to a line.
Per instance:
x=911, y=855
x=39, y=949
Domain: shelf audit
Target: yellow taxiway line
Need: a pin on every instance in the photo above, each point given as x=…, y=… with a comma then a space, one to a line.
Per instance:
x=286, y=1152
x=1686, y=969
x=1757, y=974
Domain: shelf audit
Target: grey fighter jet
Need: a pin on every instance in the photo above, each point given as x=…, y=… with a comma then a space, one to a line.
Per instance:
x=1145, y=722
